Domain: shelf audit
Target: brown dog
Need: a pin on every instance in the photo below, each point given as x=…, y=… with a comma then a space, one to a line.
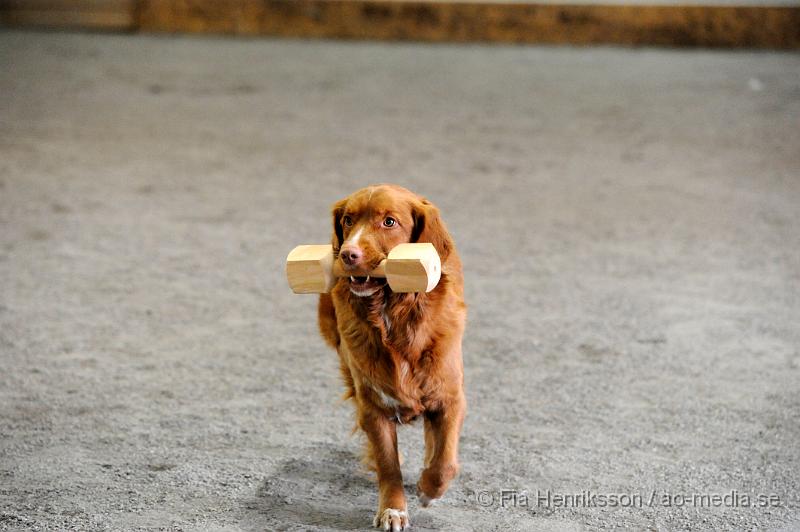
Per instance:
x=400, y=354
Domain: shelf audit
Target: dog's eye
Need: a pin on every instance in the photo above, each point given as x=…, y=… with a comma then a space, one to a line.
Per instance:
x=389, y=222
x=347, y=221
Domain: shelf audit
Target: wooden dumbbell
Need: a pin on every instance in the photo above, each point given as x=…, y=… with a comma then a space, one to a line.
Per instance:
x=408, y=268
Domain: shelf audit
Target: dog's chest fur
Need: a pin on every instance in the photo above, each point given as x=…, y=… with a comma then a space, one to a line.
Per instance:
x=388, y=344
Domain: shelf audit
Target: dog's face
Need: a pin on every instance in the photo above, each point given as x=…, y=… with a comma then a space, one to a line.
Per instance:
x=370, y=222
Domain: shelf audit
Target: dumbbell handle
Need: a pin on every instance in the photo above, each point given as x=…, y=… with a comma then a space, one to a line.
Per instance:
x=378, y=271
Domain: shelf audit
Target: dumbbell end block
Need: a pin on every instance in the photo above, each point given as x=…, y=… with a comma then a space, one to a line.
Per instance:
x=309, y=269
x=413, y=268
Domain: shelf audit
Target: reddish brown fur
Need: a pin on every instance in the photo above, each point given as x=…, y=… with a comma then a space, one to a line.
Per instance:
x=408, y=346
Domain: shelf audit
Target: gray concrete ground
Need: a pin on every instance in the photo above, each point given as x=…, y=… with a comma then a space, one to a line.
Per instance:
x=628, y=221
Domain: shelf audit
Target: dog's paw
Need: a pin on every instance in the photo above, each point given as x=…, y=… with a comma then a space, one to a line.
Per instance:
x=424, y=500
x=433, y=483
x=391, y=519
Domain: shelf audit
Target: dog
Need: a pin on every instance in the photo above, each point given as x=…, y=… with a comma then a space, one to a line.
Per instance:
x=399, y=354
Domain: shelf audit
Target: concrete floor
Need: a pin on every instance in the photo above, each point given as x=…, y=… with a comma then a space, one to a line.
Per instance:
x=628, y=221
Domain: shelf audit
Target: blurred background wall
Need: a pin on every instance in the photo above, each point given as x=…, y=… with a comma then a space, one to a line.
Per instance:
x=715, y=23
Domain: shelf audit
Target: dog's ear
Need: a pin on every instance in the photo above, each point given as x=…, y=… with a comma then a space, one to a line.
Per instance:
x=429, y=227
x=338, y=232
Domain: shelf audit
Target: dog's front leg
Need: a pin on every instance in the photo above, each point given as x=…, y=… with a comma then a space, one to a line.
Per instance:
x=442, y=429
x=382, y=434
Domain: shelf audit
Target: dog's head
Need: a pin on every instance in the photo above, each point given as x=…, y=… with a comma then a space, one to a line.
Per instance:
x=371, y=221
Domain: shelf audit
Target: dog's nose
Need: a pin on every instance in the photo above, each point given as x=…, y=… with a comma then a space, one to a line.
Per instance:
x=351, y=255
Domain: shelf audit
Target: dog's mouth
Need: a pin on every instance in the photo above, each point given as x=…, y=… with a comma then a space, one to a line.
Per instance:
x=365, y=285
